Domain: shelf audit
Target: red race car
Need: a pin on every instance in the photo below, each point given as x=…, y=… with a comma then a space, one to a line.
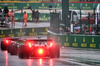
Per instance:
x=5, y=43
x=38, y=48
x=84, y=20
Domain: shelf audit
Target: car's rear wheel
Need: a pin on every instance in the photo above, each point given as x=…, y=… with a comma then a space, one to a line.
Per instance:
x=23, y=53
x=3, y=47
x=20, y=55
x=8, y=49
x=55, y=52
x=13, y=49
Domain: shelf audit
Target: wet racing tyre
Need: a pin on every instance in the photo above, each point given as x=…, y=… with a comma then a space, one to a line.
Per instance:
x=13, y=49
x=22, y=53
x=8, y=49
x=3, y=47
x=55, y=52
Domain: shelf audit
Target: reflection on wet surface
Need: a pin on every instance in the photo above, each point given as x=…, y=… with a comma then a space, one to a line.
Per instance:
x=9, y=60
x=6, y=57
x=51, y=62
x=29, y=62
x=40, y=62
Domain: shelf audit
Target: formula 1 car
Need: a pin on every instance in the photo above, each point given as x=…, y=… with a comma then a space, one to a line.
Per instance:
x=38, y=48
x=6, y=42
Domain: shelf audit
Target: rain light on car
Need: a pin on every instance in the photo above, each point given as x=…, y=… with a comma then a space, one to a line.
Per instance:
x=40, y=51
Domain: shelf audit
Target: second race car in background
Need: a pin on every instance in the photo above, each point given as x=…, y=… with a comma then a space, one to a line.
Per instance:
x=6, y=42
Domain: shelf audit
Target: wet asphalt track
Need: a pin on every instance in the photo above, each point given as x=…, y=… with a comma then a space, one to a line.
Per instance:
x=8, y=60
x=68, y=57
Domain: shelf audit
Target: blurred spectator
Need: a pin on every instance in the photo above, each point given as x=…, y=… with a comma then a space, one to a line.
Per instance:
x=9, y=14
x=93, y=32
x=33, y=14
x=5, y=11
x=68, y=29
x=12, y=17
x=25, y=18
x=77, y=31
x=90, y=30
x=0, y=12
x=86, y=30
x=37, y=16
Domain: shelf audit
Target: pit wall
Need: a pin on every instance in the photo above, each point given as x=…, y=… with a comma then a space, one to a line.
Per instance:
x=78, y=41
x=23, y=32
